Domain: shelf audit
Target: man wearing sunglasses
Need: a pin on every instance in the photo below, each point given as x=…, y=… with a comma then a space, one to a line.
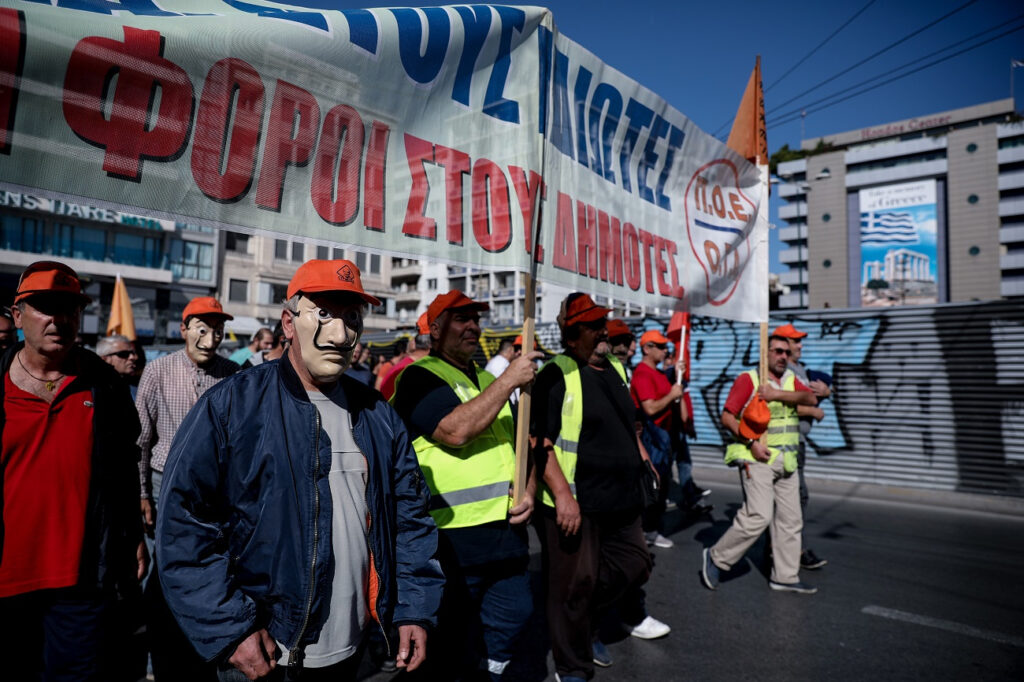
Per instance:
x=70, y=537
x=168, y=389
x=771, y=491
x=119, y=352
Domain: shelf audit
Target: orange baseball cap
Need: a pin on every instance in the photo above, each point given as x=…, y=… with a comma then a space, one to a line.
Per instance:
x=329, y=275
x=653, y=336
x=755, y=418
x=789, y=331
x=577, y=308
x=453, y=299
x=421, y=325
x=50, y=277
x=618, y=328
x=519, y=342
x=204, y=305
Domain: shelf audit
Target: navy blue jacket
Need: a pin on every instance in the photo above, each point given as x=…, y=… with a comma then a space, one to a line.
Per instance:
x=244, y=520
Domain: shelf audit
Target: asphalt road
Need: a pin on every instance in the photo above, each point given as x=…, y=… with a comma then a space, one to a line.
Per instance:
x=911, y=591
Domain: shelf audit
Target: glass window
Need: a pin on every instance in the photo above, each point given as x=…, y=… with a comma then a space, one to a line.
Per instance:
x=375, y=263
x=278, y=293
x=133, y=249
x=21, y=234
x=237, y=242
x=338, y=254
x=361, y=261
x=280, y=249
x=321, y=252
x=238, y=290
x=432, y=284
x=192, y=260
x=297, y=252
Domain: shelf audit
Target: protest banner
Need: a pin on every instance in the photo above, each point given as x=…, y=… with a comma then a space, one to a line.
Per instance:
x=442, y=133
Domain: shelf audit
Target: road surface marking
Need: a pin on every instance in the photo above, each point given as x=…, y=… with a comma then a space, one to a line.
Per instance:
x=948, y=625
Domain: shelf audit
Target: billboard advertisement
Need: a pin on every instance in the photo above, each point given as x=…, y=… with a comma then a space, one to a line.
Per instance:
x=899, y=244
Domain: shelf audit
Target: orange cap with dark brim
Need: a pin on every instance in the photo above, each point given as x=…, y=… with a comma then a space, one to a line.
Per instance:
x=317, y=276
x=50, y=277
x=789, y=331
x=581, y=308
x=203, y=306
x=450, y=301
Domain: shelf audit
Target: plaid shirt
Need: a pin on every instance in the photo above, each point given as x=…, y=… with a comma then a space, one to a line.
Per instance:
x=168, y=389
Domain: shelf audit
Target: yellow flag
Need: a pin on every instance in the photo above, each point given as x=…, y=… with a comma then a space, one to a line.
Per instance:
x=122, y=318
x=748, y=136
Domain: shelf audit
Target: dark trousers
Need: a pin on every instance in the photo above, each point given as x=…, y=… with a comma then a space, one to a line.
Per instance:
x=586, y=574
x=484, y=610
x=60, y=635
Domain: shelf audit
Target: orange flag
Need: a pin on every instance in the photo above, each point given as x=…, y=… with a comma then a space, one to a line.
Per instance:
x=122, y=318
x=748, y=136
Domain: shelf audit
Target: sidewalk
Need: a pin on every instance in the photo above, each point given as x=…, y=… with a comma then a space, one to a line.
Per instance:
x=711, y=476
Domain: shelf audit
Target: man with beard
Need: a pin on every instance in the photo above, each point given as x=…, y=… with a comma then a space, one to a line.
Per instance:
x=294, y=518
x=71, y=538
x=462, y=430
x=591, y=459
x=771, y=491
x=168, y=389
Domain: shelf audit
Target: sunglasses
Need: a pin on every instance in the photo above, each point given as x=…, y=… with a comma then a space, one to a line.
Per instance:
x=123, y=354
x=659, y=346
x=780, y=351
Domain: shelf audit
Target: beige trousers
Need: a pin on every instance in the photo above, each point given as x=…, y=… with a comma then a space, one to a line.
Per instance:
x=772, y=497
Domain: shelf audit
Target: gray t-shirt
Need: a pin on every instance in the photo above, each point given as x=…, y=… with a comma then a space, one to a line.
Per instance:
x=348, y=610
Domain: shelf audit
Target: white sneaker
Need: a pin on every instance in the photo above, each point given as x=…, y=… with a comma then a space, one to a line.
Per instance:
x=658, y=540
x=650, y=628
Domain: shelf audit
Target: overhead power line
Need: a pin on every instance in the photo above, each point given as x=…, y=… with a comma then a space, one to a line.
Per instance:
x=820, y=45
x=885, y=49
x=791, y=118
x=800, y=110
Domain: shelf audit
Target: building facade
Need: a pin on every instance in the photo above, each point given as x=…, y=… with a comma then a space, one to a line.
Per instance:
x=164, y=263
x=926, y=210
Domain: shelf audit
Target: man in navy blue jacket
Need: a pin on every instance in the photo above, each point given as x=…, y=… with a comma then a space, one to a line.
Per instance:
x=293, y=518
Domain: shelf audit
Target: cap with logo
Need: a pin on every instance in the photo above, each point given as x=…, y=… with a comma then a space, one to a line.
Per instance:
x=450, y=301
x=789, y=331
x=50, y=277
x=204, y=305
x=578, y=308
x=653, y=336
x=316, y=276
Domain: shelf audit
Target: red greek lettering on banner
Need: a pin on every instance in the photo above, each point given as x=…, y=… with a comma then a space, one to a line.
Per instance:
x=283, y=148
x=526, y=192
x=417, y=224
x=233, y=92
x=456, y=165
x=492, y=217
x=12, y=61
x=341, y=147
x=717, y=217
x=373, y=177
x=140, y=71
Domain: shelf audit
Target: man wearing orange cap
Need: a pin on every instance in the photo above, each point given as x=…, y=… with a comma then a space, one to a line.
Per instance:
x=770, y=489
x=592, y=462
x=808, y=415
x=623, y=344
x=168, y=388
x=71, y=537
x=420, y=347
x=294, y=517
x=462, y=429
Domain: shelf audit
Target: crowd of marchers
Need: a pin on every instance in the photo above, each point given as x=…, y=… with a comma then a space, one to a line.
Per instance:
x=286, y=512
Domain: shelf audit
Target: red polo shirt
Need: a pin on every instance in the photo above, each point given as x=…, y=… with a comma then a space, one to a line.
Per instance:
x=650, y=384
x=46, y=458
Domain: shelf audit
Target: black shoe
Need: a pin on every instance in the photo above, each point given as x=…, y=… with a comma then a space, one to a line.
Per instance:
x=811, y=561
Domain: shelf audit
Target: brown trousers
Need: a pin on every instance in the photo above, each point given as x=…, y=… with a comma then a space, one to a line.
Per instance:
x=586, y=573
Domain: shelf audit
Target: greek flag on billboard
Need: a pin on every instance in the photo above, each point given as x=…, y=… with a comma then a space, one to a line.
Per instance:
x=898, y=242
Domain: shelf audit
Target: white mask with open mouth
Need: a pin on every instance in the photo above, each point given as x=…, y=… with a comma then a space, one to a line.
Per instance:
x=326, y=331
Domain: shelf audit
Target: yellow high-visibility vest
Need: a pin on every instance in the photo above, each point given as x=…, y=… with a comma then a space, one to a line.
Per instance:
x=783, y=429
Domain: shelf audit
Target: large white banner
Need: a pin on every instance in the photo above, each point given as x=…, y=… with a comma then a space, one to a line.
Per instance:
x=448, y=134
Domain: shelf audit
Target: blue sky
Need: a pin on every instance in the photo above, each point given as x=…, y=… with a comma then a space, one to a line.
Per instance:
x=699, y=55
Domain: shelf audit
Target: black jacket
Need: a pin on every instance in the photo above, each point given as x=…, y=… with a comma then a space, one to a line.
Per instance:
x=113, y=524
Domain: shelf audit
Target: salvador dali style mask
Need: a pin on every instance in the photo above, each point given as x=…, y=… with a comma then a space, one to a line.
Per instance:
x=327, y=330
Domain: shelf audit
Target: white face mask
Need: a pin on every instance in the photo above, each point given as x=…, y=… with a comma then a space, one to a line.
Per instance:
x=326, y=332
x=202, y=339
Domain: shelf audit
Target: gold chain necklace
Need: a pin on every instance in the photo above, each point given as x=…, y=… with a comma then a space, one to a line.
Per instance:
x=50, y=384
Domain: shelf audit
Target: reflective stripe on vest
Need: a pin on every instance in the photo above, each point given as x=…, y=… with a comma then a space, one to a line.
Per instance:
x=568, y=441
x=783, y=429
x=469, y=486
